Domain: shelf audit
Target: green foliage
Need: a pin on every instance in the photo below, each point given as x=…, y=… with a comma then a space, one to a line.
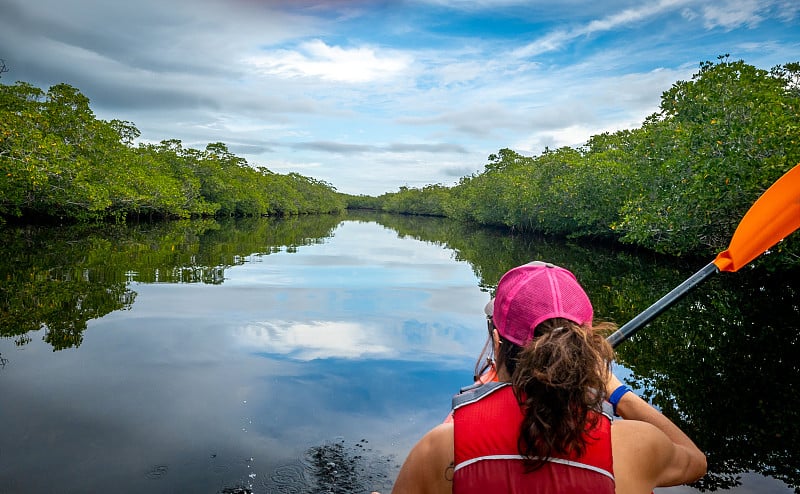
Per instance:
x=679, y=184
x=488, y=197
x=719, y=141
x=58, y=160
x=429, y=200
x=361, y=201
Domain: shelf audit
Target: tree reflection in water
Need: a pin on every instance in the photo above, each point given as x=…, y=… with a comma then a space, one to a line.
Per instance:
x=57, y=278
x=721, y=364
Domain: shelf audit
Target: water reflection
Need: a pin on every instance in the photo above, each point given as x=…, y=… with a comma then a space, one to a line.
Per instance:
x=722, y=364
x=732, y=346
x=207, y=354
x=56, y=279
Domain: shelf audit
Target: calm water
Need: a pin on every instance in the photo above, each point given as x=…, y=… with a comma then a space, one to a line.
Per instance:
x=308, y=355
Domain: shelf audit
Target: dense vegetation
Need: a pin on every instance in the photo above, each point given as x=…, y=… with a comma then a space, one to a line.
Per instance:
x=679, y=184
x=58, y=160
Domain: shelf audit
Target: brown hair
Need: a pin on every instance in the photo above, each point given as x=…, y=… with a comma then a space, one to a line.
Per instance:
x=559, y=380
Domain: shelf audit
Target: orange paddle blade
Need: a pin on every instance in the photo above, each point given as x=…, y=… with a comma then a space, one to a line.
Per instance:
x=772, y=217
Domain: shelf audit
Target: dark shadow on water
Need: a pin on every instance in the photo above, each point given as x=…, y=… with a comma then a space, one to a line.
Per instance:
x=335, y=467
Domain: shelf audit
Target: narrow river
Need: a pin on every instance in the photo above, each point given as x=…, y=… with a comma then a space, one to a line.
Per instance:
x=309, y=354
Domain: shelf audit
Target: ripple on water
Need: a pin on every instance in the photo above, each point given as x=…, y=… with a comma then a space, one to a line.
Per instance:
x=157, y=472
x=287, y=479
x=333, y=467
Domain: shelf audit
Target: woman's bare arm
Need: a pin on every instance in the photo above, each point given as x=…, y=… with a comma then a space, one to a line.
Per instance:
x=428, y=469
x=672, y=457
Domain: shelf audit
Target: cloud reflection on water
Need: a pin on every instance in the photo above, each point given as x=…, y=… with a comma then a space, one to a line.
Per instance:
x=311, y=340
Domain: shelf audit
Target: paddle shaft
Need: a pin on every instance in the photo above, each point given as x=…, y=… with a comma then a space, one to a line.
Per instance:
x=664, y=303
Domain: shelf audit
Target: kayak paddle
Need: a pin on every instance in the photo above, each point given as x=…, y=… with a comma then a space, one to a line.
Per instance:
x=771, y=218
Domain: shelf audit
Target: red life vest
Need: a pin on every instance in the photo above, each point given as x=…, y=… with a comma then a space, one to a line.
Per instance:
x=487, y=460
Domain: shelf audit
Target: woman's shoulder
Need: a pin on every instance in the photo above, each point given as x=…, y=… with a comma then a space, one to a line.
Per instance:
x=428, y=467
x=440, y=439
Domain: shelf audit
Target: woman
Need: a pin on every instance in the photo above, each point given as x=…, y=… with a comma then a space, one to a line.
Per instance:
x=542, y=426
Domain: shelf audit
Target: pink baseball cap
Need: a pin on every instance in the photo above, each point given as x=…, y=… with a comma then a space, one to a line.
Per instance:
x=532, y=293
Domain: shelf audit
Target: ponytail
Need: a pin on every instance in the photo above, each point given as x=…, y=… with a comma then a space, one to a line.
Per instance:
x=559, y=380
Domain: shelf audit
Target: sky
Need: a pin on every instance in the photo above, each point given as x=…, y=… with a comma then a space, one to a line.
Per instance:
x=370, y=96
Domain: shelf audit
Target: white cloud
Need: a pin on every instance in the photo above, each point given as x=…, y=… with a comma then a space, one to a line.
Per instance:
x=733, y=14
x=555, y=40
x=318, y=59
x=587, y=103
x=551, y=42
x=460, y=72
x=572, y=136
x=788, y=10
x=629, y=16
x=303, y=167
x=689, y=14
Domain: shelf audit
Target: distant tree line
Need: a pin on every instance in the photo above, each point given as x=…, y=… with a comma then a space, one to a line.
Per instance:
x=57, y=160
x=679, y=184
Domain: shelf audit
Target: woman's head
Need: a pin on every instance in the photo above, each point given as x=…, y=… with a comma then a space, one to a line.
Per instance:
x=557, y=360
x=532, y=293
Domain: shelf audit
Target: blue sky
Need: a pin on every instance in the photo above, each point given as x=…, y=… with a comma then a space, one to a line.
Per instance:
x=373, y=95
